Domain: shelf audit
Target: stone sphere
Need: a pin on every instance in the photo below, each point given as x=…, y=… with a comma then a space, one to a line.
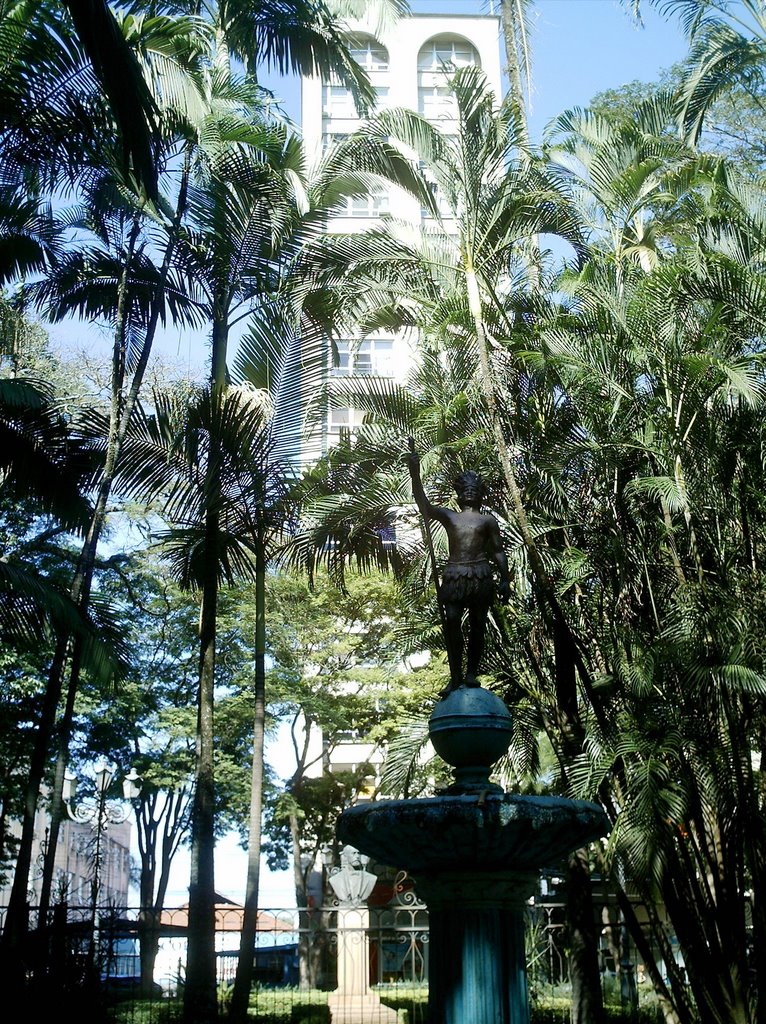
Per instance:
x=471, y=727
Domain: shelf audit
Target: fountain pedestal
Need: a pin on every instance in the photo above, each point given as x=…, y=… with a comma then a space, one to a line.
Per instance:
x=354, y=1002
x=476, y=949
x=475, y=854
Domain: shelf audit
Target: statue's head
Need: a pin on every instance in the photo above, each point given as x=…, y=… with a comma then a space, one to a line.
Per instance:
x=350, y=857
x=469, y=488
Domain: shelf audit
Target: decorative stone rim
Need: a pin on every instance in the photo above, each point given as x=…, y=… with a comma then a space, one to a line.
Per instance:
x=492, y=832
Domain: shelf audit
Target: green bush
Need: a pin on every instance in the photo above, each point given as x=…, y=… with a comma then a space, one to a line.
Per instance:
x=309, y=1015
x=293, y=1006
x=146, y=1011
x=557, y=1011
x=288, y=1006
x=409, y=1001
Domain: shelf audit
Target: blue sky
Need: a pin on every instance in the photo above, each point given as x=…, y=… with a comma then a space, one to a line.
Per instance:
x=581, y=47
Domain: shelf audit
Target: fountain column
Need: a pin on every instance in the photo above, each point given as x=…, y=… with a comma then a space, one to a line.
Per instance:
x=476, y=948
x=474, y=853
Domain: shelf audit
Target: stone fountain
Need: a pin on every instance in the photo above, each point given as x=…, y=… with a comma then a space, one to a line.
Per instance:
x=475, y=853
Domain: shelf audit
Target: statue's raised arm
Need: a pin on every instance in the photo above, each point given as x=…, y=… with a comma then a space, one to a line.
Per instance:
x=427, y=510
x=467, y=582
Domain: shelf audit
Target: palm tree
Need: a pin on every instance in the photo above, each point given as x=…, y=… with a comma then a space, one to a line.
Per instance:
x=250, y=216
x=174, y=449
x=269, y=523
x=728, y=46
x=112, y=279
x=119, y=73
x=515, y=16
x=637, y=335
x=627, y=179
x=661, y=447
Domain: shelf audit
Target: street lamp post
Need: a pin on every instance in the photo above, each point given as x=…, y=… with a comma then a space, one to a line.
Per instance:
x=100, y=813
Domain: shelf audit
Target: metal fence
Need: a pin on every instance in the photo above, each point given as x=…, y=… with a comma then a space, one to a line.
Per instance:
x=296, y=956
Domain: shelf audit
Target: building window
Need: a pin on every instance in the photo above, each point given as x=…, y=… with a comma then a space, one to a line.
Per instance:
x=337, y=102
x=437, y=61
x=332, y=139
x=367, y=357
x=372, y=205
x=443, y=54
x=445, y=210
x=375, y=355
x=437, y=102
x=343, y=366
x=342, y=423
x=369, y=54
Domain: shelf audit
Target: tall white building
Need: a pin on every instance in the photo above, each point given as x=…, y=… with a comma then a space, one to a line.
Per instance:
x=409, y=64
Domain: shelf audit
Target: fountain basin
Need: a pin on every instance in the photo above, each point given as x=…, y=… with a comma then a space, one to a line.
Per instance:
x=496, y=832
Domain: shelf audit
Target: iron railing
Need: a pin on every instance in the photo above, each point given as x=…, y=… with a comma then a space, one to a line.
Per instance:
x=296, y=953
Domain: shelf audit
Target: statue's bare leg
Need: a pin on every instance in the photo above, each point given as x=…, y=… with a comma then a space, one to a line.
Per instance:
x=477, y=623
x=453, y=617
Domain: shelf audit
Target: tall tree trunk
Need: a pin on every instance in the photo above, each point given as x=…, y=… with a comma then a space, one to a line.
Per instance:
x=244, y=977
x=200, y=1002
x=156, y=855
x=587, y=1001
x=517, y=57
x=121, y=411
x=123, y=404
x=80, y=593
x=305, y=973
x=17, y=917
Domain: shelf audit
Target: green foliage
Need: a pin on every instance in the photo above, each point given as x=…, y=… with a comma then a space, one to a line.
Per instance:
x=734, y=124
x=558, y=1011
x=290, y=1006
x=335, y=673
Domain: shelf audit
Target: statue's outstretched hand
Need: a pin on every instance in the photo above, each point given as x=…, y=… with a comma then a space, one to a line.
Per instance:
x=504, y=591
x=412, y=459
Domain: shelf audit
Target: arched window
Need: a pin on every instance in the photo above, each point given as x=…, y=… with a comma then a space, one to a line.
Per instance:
x=438, y=60
x=369, y=53
x=337, y=102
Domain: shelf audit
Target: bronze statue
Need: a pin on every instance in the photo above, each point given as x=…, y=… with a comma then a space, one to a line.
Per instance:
x=467, y=579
